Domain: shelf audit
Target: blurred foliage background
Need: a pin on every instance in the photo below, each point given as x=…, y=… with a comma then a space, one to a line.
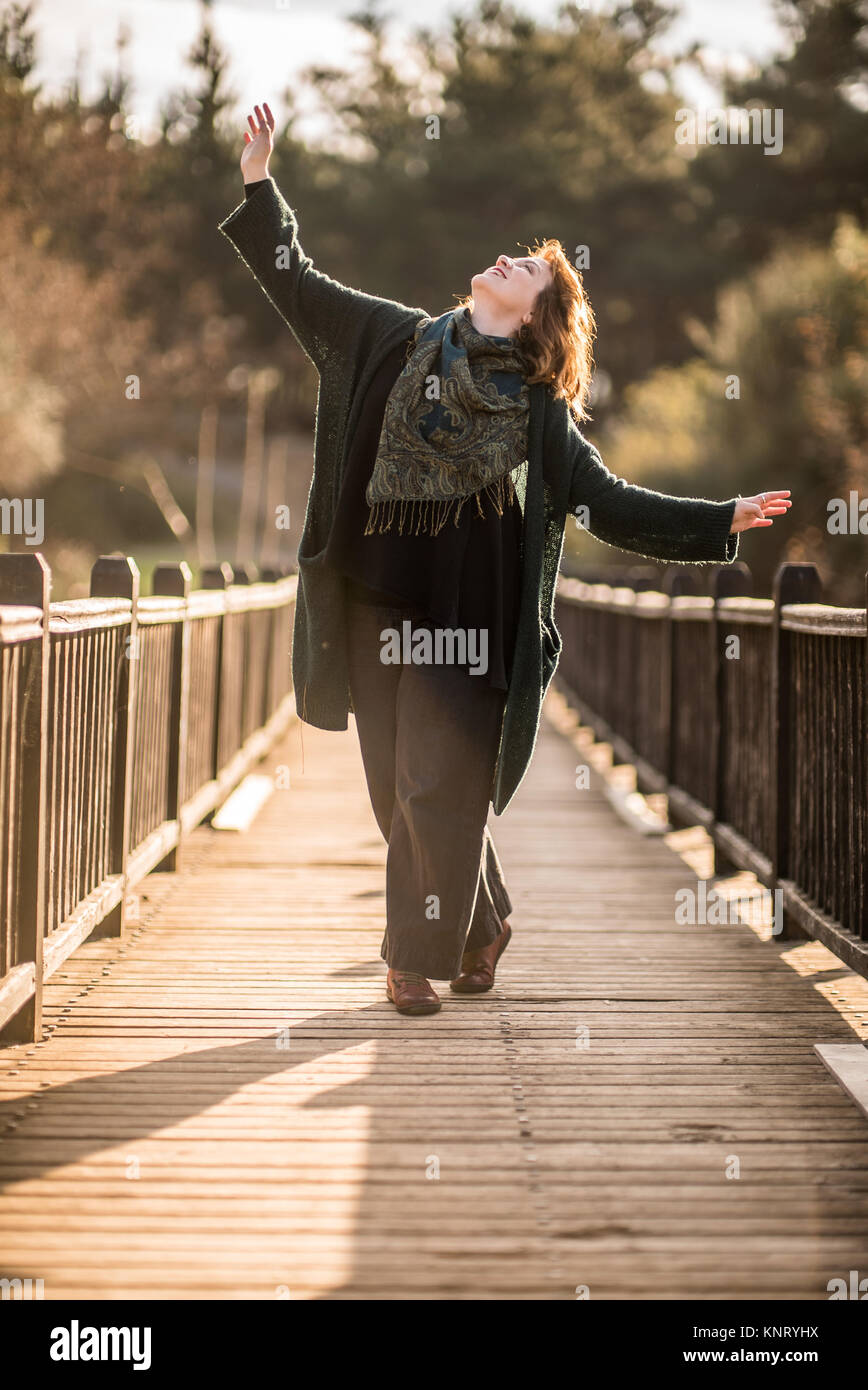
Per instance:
x=707, y=265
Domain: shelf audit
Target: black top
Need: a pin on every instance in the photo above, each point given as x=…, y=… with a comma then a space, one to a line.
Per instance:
x=467, y=576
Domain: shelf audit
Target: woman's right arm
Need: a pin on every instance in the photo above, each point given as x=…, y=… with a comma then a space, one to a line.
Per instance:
x=658, y=525
x=264, y=231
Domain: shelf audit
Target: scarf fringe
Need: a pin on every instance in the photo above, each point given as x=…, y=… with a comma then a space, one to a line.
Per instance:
x=435, y=512
x=474, y=430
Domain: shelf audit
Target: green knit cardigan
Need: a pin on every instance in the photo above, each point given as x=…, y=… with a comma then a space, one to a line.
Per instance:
x=346, y=335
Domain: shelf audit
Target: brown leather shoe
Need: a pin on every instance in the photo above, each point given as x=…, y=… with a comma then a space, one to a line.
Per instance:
x=478, y=967
x=411, y=993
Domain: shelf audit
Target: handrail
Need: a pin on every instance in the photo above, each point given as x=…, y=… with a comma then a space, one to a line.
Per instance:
x=752, y=716
x=20, y=624
x=823, y=620
x=124, y=721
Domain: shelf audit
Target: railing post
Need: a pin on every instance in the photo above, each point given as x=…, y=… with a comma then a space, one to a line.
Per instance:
x=218, y=577
x=641, y=578
x=864, y=808
x=26, y=579
x=246, y=573
x=175, y=581
x=793, y=584
x=116, y=576
x=728, y=581
x=675, y=583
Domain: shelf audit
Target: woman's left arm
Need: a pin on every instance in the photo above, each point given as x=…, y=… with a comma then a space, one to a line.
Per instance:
x=655, y=524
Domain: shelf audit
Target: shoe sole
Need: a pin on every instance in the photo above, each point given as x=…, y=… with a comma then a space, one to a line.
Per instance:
x=485, y=988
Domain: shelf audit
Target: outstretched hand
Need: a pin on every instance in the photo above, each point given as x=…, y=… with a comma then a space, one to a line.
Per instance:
x=759, y=510
x=258, y=144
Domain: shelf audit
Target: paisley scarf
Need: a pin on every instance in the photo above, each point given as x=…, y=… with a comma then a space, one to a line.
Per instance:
x=455, y=426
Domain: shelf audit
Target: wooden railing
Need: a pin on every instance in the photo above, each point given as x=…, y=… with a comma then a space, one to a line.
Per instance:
x=752, y=716
x=124, y=721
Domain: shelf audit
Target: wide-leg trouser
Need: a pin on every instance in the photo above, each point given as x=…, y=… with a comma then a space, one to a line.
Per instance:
x=429, y=736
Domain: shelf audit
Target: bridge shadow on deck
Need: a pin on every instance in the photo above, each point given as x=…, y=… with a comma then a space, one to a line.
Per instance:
x=577, y=1127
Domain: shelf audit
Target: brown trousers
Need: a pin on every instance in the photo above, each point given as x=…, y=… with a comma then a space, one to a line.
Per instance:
x=429, y=736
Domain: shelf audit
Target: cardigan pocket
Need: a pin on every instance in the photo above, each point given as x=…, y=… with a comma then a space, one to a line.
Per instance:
x=552, y=642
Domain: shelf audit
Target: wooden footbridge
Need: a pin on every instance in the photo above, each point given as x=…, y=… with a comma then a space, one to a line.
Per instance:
x=203, y=1090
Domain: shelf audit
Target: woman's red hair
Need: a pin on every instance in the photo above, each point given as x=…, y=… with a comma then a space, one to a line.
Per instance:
x=558, y=342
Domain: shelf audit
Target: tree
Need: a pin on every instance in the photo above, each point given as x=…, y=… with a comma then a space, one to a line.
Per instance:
x=502, y=130
x=17, y=46
x=777, y=397
x=821, y=88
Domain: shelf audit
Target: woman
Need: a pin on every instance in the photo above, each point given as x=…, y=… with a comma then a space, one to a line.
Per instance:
x=446, y=459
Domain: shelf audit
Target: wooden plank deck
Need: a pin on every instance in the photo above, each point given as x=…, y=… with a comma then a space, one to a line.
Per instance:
x=227, y=1107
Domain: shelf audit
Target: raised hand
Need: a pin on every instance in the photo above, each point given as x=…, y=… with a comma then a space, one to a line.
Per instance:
x=258, y=144
x=759, y=510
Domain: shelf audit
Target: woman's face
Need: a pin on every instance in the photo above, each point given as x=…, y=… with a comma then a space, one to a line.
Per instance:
x=511, y=285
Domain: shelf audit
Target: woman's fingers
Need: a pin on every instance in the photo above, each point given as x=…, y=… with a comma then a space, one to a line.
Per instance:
x=258, y=142
x=263, y=123
x=769, y=504
x=752, y=512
